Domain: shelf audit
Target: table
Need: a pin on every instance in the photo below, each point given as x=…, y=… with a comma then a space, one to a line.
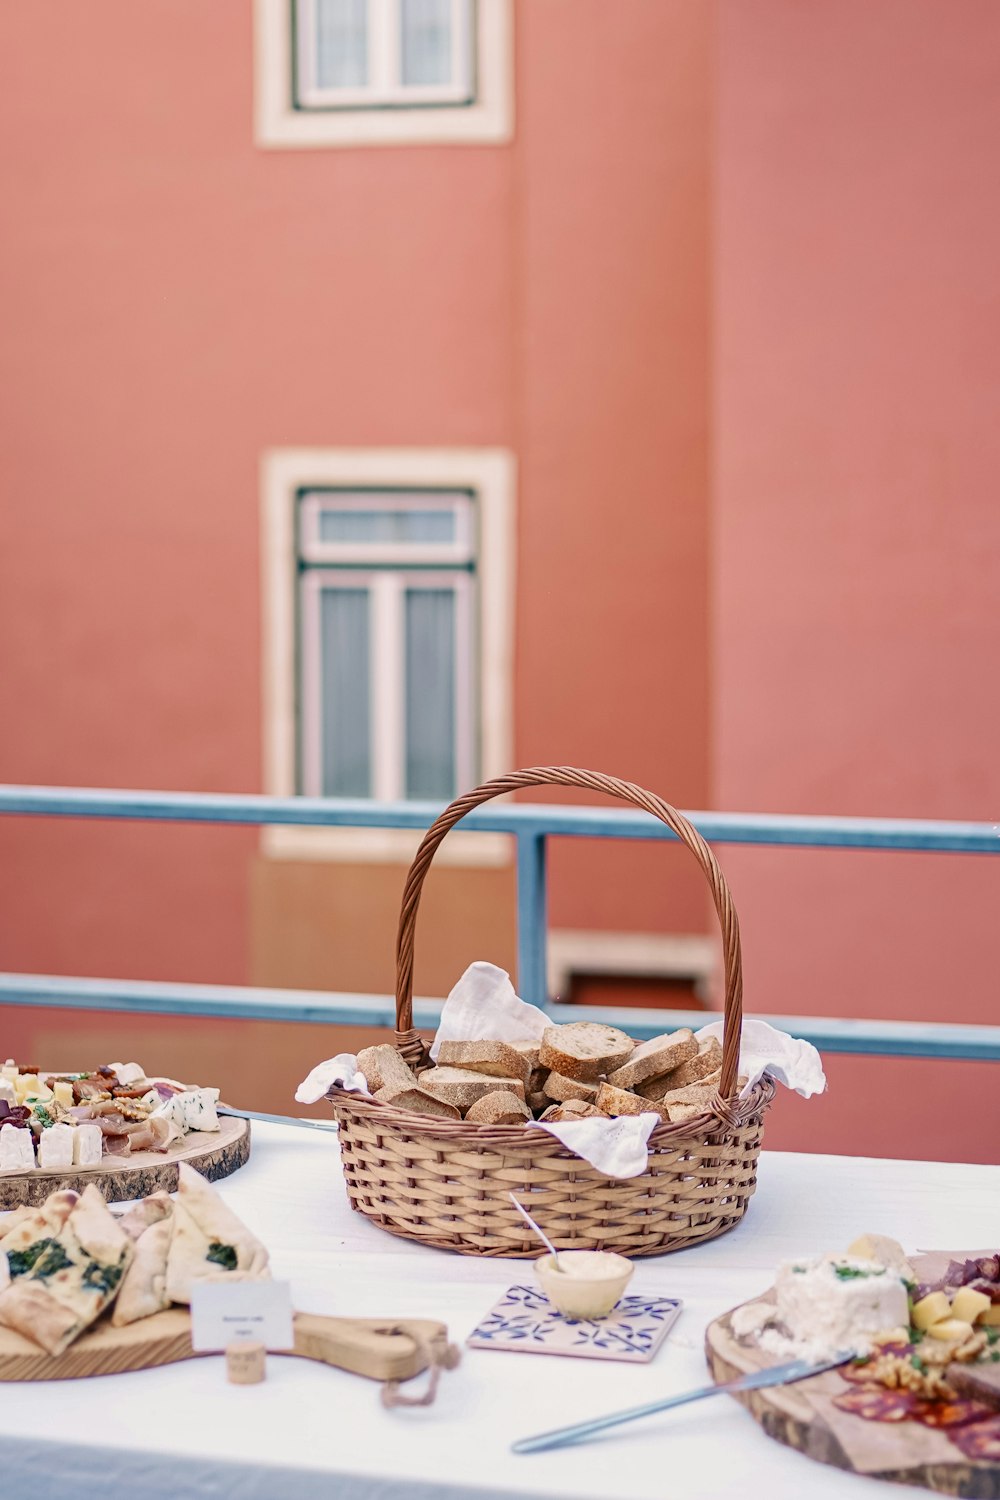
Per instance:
x=312, y=1432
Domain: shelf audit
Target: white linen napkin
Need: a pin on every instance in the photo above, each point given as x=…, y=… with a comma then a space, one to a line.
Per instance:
x=484, y=1008
x=764, y=1049
x=340, y=1069
x=615, y=1147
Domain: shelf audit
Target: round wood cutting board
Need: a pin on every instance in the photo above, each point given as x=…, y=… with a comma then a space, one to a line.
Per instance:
x=800, y=1416
x=215, y=1153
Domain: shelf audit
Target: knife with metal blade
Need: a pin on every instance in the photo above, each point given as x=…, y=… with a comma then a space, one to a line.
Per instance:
x=799, y=1369
x=250, y=1114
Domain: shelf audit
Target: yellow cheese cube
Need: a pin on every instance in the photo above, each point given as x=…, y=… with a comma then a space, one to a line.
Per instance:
x=25, y=1084
x=990, y=1318
x=968, y=1304
x=64, y=1094
x=948, y=1330
x=930, y=1309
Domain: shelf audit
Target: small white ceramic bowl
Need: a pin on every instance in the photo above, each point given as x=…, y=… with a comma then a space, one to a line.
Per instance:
x=591, y=1284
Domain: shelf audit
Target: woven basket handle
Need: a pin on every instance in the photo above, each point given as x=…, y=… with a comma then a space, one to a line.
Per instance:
x=409, y=1041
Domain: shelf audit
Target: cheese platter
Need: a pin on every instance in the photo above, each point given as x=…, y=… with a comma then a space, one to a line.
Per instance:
x=113, y=1126
x=919, y=1403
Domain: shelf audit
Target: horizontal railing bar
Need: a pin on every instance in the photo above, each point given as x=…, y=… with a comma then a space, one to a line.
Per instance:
x=515, y=818
x=232, y=1002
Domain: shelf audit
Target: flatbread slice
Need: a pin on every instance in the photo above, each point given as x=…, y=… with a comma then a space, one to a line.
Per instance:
x=209, y=1242
x=146, y=1212
x=144, y=1285
x=72, y=1280
x=34, y=1231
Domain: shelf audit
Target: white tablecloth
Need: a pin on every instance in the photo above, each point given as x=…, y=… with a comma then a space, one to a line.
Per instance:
x=310, y=1431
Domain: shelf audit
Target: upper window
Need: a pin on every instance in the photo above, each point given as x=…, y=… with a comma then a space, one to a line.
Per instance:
x=368, y=72
x=384, y=54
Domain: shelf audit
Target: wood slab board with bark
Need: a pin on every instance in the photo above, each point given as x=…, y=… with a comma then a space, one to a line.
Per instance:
x=381, y=1350
x=803, y=1417
x=214, y=1153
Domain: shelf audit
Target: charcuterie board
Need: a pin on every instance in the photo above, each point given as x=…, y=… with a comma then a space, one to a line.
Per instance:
x=803, y=1417
x=383, y=1350
x=214, y=1153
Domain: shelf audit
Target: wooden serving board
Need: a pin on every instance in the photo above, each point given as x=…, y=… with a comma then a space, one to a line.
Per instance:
x=215, y=1153
x=382, y=1350
x=802, y=1417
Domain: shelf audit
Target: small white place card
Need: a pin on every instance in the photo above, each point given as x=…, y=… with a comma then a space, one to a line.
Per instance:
x=234, y=1312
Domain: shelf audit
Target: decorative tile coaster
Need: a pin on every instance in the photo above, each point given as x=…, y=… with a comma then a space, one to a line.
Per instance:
x=525, y=1322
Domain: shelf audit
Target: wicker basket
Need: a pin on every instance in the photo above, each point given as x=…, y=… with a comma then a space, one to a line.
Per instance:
x=446, y=1182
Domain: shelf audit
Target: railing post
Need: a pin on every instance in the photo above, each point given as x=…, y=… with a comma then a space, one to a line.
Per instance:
x=532, y=982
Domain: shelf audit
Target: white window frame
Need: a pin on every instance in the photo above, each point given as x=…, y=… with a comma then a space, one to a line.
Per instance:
x=418, y=116
x=489, y=473
x=385, y=63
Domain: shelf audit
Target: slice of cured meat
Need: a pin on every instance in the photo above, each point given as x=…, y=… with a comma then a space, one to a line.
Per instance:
x=950, y=1413
x=876, y=1404
x=980, y=1440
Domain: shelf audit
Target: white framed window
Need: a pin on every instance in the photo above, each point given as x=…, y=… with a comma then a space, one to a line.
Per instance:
x=387, y=624
x=388, y=636
x=369, y=72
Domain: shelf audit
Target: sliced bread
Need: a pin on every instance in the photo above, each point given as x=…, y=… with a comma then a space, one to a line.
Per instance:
x=493, y=1058
x=528, y=1050
x=585, y=1050
x=561, y=1088
x=659, y=1088
x=694, y=1093
x=498, y=1108
x=675, y=1113
x=573, y=1109
x=384, y=1068
x=419, y=1102
x=615, y=1101
x=653, y=1058
x=462, y=1087
x=706, y=1060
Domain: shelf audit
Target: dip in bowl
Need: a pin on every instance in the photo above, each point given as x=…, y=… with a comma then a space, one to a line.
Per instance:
x=588, y=1283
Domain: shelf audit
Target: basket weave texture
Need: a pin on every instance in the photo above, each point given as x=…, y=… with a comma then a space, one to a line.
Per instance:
x=446, y=1183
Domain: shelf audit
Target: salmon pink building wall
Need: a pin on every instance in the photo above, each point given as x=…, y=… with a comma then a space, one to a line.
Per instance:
x=177, y=301
x=856, y=536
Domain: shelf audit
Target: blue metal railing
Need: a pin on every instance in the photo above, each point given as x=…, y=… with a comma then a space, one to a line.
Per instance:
x=531, y=825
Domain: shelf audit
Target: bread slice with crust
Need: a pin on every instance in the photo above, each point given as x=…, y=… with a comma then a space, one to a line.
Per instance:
x=614, y=1101
x=462, y=1087
x=384, y=1068
x=418, y=1101
x=706, y=1060
x=495, y=1059
x=654, y=1058
x=499, y=1108
x=562, y=1089
x=584, y=1050
x=573, y=1109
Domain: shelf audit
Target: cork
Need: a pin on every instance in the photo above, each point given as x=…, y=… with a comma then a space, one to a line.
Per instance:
x=246, y=1364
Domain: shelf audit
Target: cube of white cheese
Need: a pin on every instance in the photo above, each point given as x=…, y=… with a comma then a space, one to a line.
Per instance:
x=7, y=1091
x=129, y=1073
x=88, y=1144
x=17, y=1149
x=198, y=1109
x=55, y=1148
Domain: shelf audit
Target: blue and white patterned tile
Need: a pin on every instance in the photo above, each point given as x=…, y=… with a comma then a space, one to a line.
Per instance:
x=525, y=1322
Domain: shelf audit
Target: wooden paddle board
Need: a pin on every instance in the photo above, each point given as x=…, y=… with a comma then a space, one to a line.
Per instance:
x=215, y=1153
x=802, y=1417
x=381, y=1350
